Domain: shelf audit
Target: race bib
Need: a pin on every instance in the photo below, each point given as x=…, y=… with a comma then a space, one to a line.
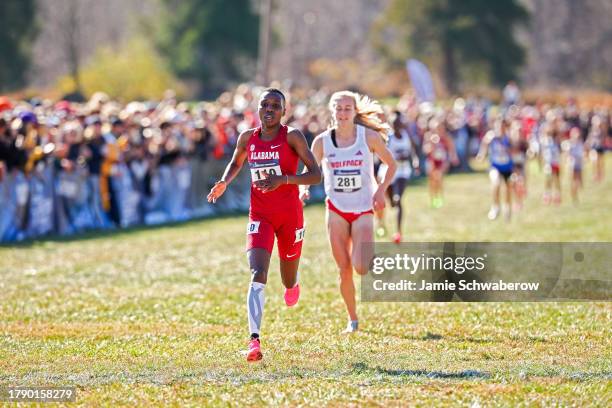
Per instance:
x=501, y=158
x=258, y=170
x=253, y=227
x=402, y=155
x=404, y=170
x=499, y=154
x=299, y=235
x=439, y=153
x=347, y=181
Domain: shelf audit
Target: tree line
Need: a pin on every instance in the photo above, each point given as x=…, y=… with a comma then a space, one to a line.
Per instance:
x=212, y=43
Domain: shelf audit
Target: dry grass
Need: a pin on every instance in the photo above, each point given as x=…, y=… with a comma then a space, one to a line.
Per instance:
x=156, y=317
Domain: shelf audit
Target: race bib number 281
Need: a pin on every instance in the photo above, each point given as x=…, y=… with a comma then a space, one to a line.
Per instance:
x=347, y=180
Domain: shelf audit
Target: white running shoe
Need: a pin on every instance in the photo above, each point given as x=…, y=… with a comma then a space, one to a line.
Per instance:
x=351, y=327
x=493, y=212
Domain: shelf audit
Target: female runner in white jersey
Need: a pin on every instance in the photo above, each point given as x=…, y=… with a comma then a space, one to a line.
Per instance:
x=345, y=151
x=401, y=147
x=576, y=151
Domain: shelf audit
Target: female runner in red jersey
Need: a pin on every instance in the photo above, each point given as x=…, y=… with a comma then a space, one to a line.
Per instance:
x=273, y=152
x=439, y=148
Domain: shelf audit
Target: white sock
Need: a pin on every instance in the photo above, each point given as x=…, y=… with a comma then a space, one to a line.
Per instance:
x=255, y=305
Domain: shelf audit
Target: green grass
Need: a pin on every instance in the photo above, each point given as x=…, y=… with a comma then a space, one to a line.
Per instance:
x=157, y=316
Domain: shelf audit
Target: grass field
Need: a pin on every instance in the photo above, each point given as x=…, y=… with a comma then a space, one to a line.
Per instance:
x=157, y=316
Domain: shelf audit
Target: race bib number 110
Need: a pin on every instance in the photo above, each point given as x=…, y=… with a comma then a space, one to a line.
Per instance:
x=258, y=173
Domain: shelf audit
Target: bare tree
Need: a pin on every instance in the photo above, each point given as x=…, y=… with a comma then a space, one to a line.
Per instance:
x=65, y=32
x=72, y=31
x=265, y=13
x=568, y=41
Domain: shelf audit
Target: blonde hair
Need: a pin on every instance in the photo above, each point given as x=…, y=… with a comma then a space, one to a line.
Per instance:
x=367, y=109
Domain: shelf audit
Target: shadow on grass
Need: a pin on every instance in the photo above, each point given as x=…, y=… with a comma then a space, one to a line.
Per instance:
x=478, y=340
x=409, y=336
x=263, y=375
x=432, y=336
x=460, y=375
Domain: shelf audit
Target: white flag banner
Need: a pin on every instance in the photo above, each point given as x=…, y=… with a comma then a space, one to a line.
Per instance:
x=421, y=80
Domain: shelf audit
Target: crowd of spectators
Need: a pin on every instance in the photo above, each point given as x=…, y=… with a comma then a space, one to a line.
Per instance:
x=67, y=167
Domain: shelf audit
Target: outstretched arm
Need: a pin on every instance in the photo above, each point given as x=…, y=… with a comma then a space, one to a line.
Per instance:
x=233, y=167
x=484, y=145
x=452, y=150
x=413, y=155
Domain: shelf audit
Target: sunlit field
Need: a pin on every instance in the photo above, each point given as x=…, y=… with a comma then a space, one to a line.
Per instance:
x=157, y=316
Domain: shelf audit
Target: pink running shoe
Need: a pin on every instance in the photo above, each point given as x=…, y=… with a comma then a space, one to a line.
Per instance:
x=254, y=353
x=292, y=295
x=397, y=237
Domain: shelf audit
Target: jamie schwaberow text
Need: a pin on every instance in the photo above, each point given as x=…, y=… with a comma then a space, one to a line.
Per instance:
x=463, y=285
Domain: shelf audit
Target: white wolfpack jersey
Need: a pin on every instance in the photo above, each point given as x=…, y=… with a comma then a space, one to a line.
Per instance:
x=576, y=152
x=550, y=151
x=596, y=139
x=401, y=149
x=349, y=173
